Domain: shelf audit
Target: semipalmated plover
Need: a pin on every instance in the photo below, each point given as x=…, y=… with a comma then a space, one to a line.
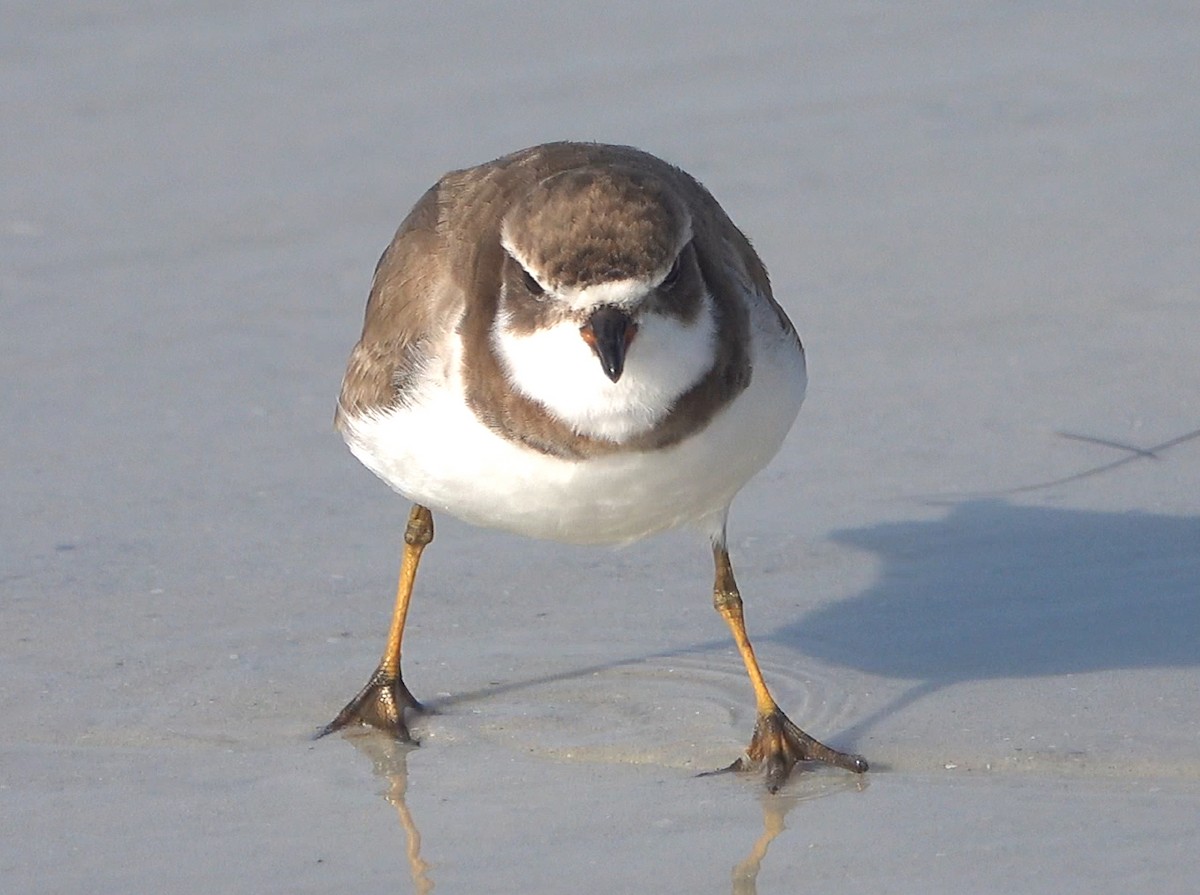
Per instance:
x=573, y=342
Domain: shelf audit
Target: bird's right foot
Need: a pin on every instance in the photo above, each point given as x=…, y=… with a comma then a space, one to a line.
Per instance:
x=380, y=704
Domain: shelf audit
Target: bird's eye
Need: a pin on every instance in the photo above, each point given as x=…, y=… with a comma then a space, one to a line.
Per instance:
x=534, y=287
x=672, y=276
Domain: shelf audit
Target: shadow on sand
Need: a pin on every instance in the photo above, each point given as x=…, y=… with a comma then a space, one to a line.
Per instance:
x=1001, y=591
x=991, y=591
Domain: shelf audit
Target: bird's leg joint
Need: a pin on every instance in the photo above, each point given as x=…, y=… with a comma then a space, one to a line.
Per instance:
x=726, y=598
x=419, y=531
x=727, y=601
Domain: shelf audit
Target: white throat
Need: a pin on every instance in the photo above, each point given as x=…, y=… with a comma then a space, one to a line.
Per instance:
x=557, y=369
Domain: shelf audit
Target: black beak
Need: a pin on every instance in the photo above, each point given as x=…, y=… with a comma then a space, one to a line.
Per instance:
x=609, y=332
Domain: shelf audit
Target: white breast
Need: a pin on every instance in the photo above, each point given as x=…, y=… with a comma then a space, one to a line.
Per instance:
x=435, y=452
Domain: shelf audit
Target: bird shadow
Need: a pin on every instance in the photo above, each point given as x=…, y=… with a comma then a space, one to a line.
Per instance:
x=996, y=591
x=990, y=591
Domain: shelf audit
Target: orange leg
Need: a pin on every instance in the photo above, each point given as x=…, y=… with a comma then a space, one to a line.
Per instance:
x=381, y=703
x=777, y=744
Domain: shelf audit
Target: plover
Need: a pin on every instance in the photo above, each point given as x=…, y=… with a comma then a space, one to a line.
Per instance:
x=573, y=342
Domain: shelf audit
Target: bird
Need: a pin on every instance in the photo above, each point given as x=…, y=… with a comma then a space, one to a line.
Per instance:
x=573, y=342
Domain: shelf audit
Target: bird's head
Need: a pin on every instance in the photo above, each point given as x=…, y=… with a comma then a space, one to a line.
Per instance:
x=603, y=313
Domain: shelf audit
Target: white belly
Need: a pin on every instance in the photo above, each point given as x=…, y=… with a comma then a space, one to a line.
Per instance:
x=438, y=454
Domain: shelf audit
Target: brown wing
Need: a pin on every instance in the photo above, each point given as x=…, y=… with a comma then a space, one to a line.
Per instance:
x=723, y=230
x=758, y=275
x=411, y=300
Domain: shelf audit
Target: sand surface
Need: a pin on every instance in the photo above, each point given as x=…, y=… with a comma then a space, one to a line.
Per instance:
x=976, y=559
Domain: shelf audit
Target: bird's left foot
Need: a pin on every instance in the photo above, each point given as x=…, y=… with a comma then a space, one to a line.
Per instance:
x=380, y=704
x=778, y=745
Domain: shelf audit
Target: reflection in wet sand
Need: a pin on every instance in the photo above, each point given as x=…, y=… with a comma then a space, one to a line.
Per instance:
x=390, y=760
x=775, y=807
